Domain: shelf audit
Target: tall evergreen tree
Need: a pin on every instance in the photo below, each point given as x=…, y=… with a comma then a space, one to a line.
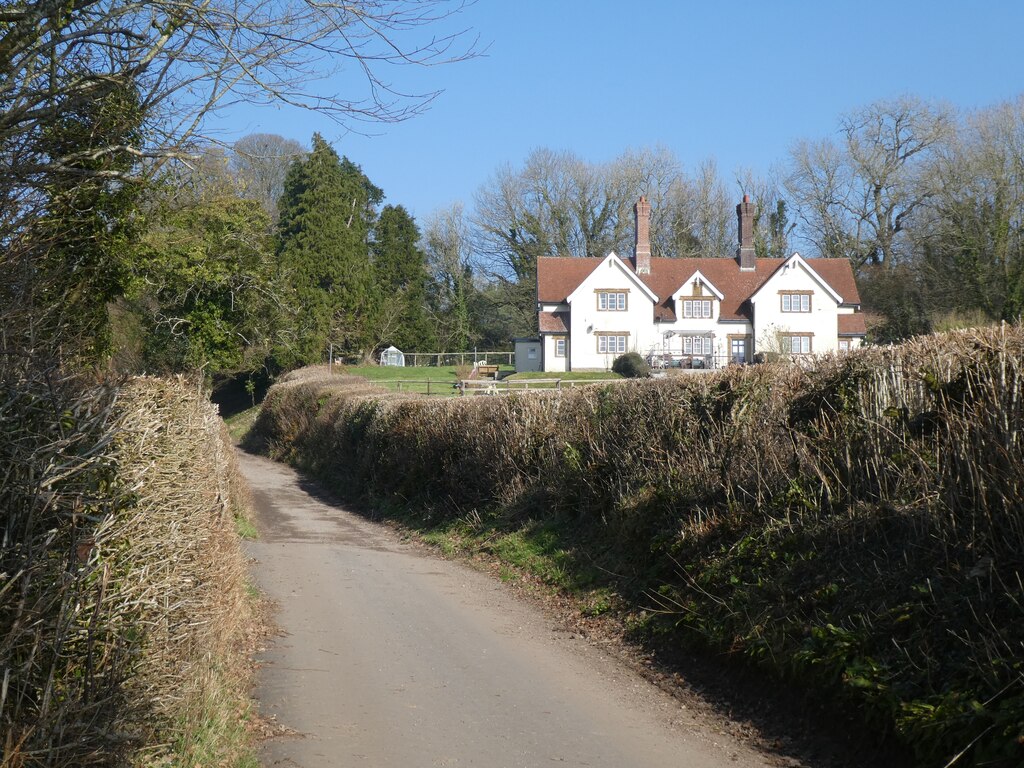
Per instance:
x=326, y=214
x=400, y=271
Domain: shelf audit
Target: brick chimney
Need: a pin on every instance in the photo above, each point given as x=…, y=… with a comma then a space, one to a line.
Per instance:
x=745, y=253
x=642, y=250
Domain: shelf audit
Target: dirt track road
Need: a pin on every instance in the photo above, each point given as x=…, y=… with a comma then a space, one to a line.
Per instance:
x=391, y=656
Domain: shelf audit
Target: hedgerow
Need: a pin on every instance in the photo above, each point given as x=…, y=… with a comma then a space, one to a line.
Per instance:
x=856, y=525
x=122, y=603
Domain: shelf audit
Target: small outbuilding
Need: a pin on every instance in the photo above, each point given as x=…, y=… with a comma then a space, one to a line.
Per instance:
x=393, y=356
x=528, y=355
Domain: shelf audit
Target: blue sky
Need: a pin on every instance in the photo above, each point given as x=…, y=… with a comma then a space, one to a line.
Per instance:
x=735, y=81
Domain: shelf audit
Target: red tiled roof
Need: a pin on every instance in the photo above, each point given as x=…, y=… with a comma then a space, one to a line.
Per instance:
x=663, y=313
x=554, y=322
x=557, y=277
x=852, y=325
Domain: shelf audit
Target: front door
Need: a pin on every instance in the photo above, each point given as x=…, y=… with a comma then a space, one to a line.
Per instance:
x=738, y=350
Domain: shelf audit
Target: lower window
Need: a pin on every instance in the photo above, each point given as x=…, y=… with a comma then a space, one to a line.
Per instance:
x=796, y=344
x=608, y=344
x=696, y=345
x=844, y=345
x=560, y=347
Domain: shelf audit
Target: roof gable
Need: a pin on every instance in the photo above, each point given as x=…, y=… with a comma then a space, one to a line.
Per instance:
x=698, y=276
x=614, y=262
x=797, y=261
x=558, y=276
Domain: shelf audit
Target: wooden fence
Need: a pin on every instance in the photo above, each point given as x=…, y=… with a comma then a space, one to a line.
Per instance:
x=485, y=386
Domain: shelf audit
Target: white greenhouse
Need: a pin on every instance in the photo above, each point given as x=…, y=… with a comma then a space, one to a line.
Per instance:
x=393, y=356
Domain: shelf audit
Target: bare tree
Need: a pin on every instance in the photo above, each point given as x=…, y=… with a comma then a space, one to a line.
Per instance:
x=184, y=60
x=260, y=161
x=560, y=205
x=773, y=219
x=550, y=207
x=856, y=198
x=702, y=222
x=446, y=242
x=971, y=245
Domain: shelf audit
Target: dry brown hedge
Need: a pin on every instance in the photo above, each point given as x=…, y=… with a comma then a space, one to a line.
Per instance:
x=856, y=525
x=122, y=598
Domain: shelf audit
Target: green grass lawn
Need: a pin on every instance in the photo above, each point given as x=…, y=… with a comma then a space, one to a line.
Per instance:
x=413, y=379
x=391, y=372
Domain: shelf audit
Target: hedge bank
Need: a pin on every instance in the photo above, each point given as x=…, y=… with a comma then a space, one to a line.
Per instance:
x=855, y=526
x=122, y=601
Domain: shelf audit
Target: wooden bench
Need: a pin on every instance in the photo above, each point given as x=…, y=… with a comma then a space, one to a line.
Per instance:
x=487, y=371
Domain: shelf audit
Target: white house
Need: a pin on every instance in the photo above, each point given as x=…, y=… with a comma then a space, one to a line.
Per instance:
x=695, y=312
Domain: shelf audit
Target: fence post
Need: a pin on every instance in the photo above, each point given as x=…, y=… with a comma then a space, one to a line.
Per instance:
x=428, y=386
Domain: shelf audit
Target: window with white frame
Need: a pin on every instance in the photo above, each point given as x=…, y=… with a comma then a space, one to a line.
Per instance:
x=844, y=345
x=796, y=302
x=696, y=345
x=560, y=346
x=612, y=343
x=697, y=308
x=796, y=343
x=611, y=301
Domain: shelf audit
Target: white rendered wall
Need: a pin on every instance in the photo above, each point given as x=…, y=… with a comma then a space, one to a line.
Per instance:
x=770, y=320
x=587, y=321
x=552, y=363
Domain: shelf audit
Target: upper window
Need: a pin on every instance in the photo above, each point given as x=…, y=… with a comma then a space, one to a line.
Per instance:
x=612, y=301
x=696, y=307
x=796, y=343
x=796, y=302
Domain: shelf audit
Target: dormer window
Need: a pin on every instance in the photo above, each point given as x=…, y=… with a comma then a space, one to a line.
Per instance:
x=696, y=308
x=612, y=301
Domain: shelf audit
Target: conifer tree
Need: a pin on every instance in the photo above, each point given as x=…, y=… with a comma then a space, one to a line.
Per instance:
x=400, y=271
x=326, y=213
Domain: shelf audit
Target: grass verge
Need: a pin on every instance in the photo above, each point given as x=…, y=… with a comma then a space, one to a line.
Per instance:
x=240, y=423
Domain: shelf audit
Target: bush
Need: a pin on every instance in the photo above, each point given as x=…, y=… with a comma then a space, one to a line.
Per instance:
x=854, y=525
x=632, y=366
